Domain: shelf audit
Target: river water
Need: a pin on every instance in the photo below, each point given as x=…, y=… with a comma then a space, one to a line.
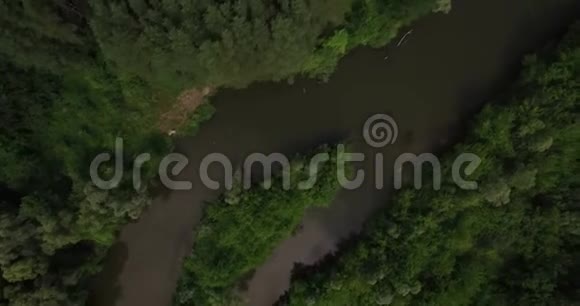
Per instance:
x=445, y=70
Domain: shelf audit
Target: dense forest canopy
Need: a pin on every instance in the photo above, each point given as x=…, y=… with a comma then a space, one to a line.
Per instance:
x=514, y=241
x=176, y=44
x=45, y=34
x=52, y=126
x=182, y=43
x=59, y=107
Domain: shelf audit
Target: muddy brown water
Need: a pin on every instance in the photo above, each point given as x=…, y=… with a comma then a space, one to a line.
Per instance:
x=447, y=68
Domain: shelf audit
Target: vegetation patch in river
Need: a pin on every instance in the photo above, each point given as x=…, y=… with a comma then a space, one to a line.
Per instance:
x=241, y=230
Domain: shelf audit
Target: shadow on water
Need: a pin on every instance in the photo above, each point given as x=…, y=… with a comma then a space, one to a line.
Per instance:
x=107, y=289
x=445, y=71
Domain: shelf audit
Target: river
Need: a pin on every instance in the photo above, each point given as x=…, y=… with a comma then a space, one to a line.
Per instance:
x=445, y=71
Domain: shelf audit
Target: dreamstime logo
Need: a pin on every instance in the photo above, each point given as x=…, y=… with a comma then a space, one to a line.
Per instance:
x=379, y=131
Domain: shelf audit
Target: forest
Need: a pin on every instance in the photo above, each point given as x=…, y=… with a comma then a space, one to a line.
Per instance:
x=235, y=43
x=77, y=74
x=59, y=107
x=513, y=241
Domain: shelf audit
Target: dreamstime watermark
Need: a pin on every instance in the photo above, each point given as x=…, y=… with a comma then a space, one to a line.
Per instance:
x=379, y=131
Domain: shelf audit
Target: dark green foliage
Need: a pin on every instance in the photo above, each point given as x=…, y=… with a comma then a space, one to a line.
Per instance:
x=241, y=230
x=179, y=44
x=50, y=34
x=59, y=107
x=22, y=110
x=52, y=127
x=185, y=43
x=514, y=241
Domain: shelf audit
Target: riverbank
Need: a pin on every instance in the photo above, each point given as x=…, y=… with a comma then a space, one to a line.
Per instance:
x=180, y=113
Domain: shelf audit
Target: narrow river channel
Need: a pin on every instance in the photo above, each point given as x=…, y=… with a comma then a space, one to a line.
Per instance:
x=445, y=70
